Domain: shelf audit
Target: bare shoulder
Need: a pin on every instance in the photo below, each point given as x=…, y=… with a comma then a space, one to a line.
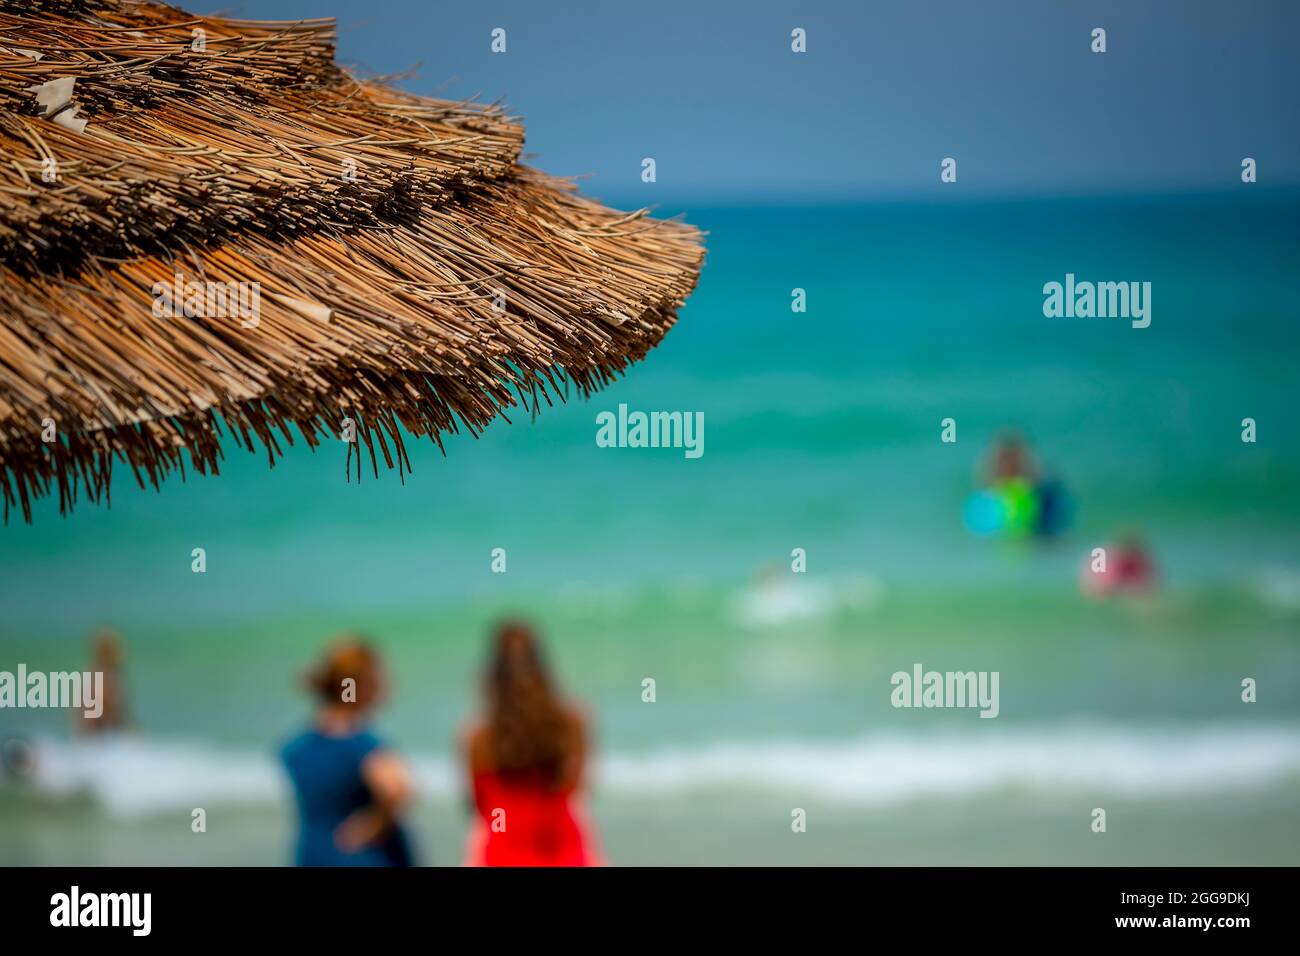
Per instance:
x=473, y=736
x=383, y=760
x=469, y=730
x=578, y=715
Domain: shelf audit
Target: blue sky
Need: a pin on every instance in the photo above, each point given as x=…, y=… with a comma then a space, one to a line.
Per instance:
x=712, y=91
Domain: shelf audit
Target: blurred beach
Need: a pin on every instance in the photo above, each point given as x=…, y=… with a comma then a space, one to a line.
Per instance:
x=772, y=689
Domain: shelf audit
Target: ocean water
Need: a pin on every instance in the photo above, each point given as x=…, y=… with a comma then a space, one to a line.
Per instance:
x=822, y=432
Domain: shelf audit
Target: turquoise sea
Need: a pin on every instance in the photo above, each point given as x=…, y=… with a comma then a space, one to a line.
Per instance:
x=822, y=432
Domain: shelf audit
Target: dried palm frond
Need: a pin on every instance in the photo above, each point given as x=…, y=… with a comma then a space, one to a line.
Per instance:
x=407, y=270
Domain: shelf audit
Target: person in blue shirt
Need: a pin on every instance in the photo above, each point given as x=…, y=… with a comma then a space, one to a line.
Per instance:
x=351, y=789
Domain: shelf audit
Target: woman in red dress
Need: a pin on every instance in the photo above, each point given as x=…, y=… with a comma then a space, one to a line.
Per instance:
x=525, y=760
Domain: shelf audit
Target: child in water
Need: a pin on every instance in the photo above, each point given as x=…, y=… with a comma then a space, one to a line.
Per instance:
x=1128, y=569
x=107, y=654
x=1017, y=500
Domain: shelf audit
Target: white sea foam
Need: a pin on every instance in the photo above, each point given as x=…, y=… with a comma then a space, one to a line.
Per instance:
x=779, y=598
x=1278, y=588
x=887, y=769
x=141, y=776
x=130, y=776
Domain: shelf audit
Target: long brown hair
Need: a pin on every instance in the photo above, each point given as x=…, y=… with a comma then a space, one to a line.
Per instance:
x=528, y=726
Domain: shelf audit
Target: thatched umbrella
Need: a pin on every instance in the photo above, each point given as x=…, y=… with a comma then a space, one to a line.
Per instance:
x=403, y=266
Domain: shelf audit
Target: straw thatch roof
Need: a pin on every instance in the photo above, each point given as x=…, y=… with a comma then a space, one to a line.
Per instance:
x=409, y=269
